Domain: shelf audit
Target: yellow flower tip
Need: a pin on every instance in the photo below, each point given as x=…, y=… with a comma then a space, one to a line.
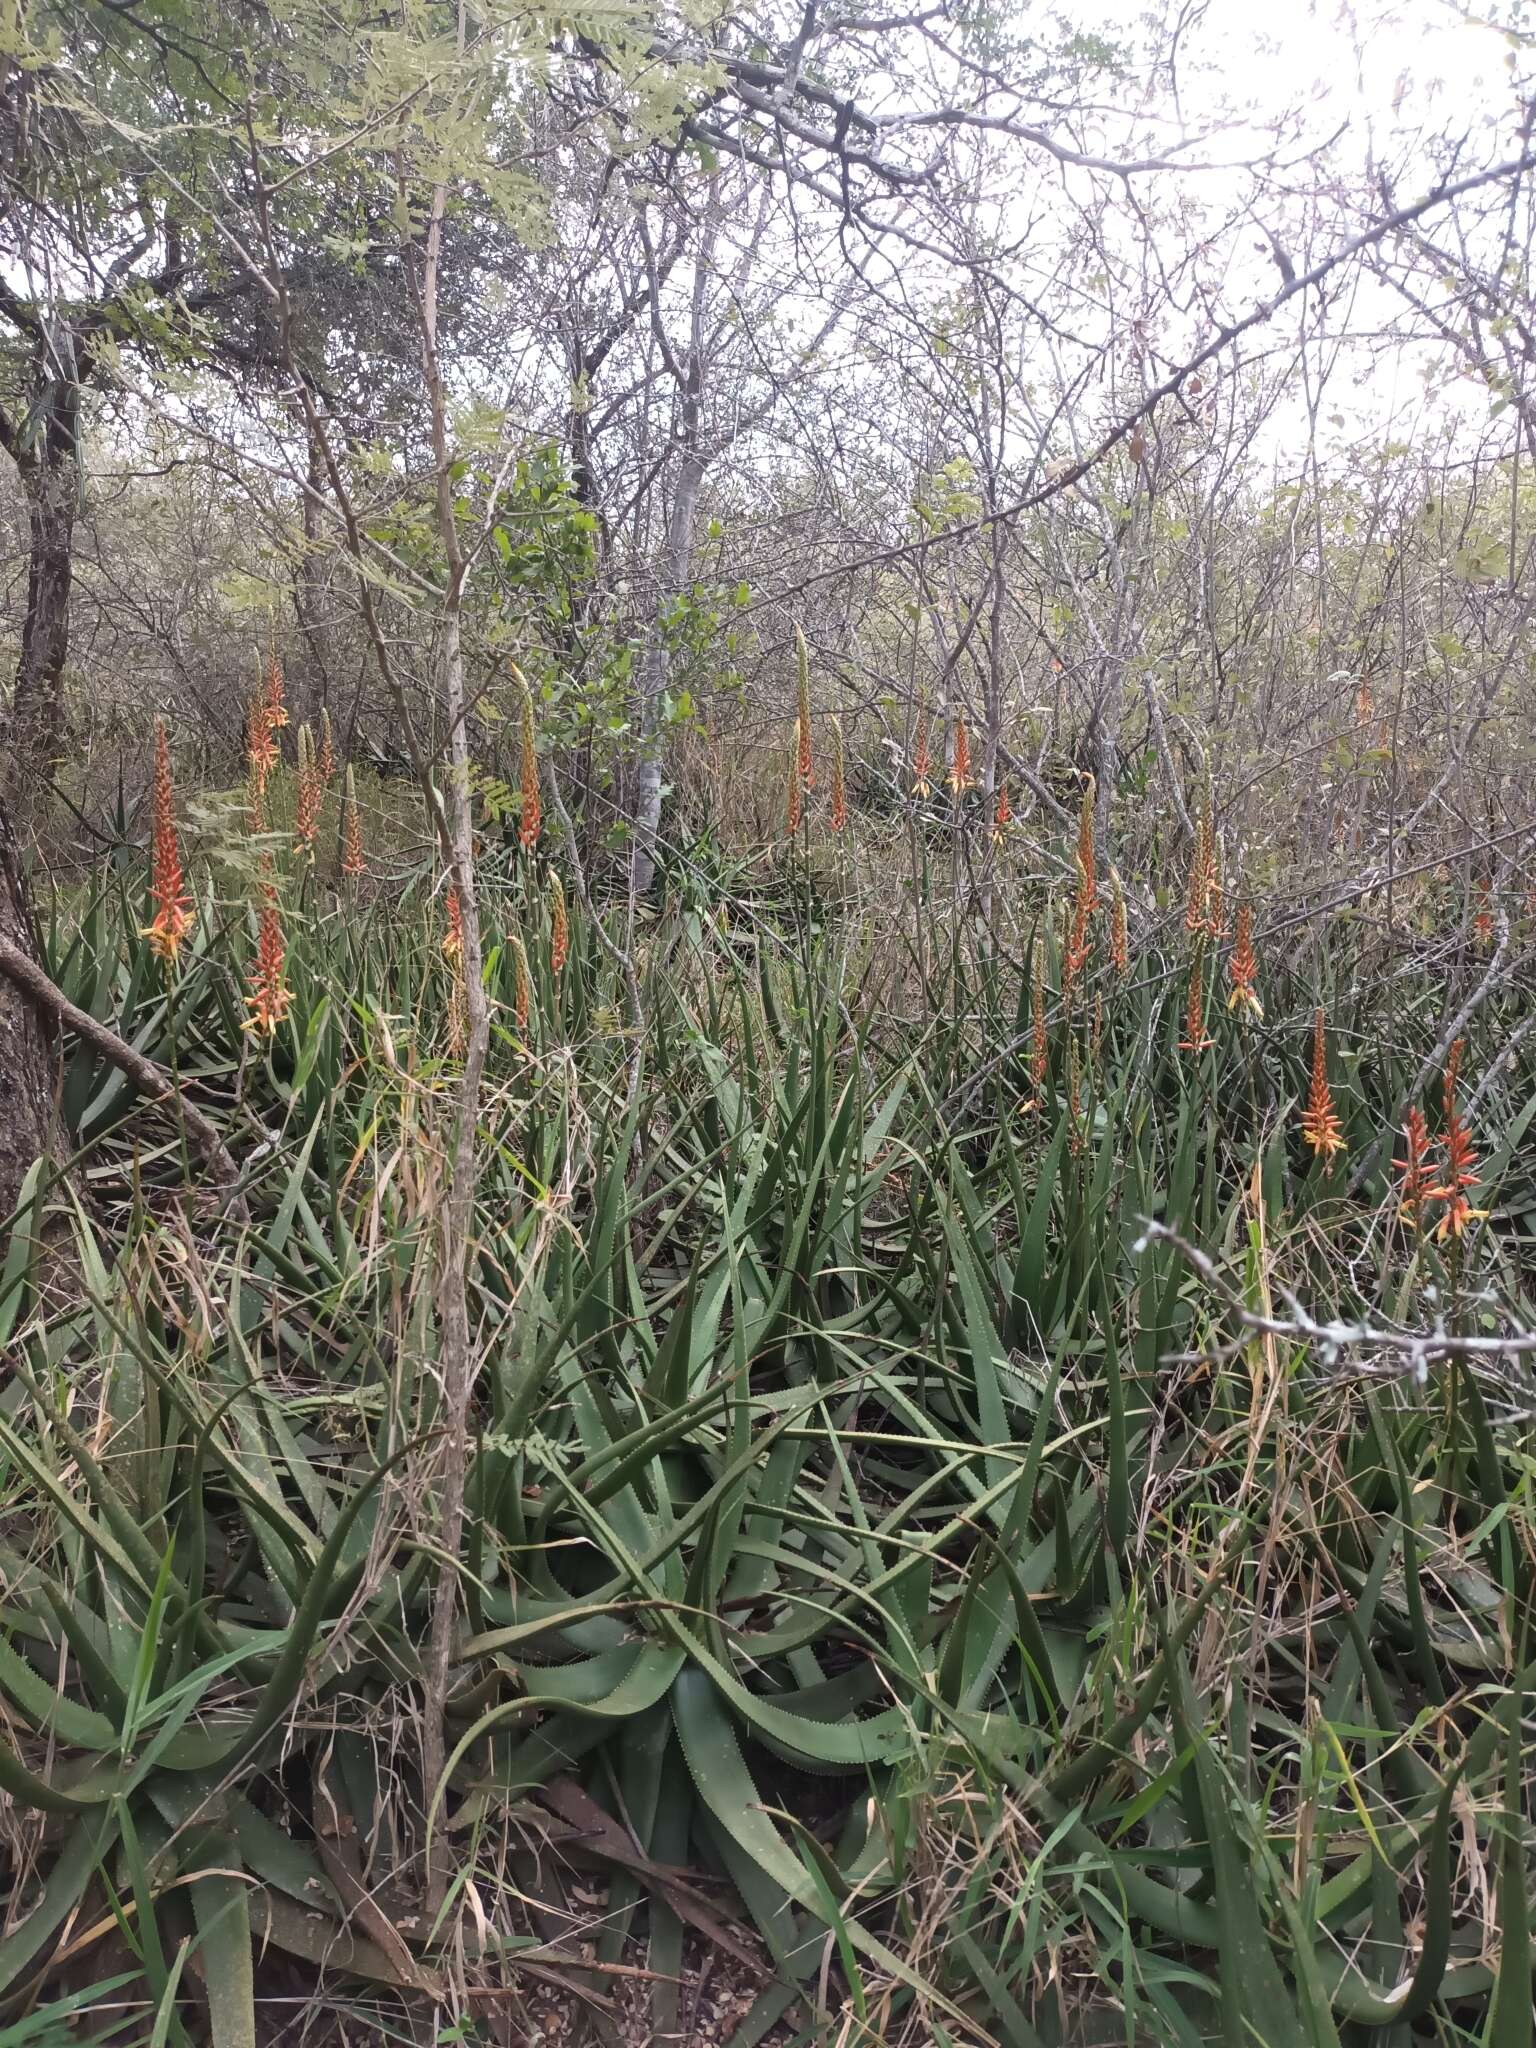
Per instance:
x=1458, y=1216
x=166, y=933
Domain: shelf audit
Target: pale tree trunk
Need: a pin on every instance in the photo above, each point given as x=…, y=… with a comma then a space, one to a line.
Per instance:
x=310, y=586
x=677, y=566
x=459, y=1361
x=677, y=570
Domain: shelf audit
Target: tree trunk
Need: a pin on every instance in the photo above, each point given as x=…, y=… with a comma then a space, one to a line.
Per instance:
x=37, y=716
x=310, y=589
x=678, y=573
x=28, y=1121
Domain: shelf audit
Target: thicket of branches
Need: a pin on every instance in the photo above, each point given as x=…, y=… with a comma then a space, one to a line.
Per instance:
x=767, y=1049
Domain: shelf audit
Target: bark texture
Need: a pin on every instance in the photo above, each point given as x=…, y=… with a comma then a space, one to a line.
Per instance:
x=46, y=455
x=28, y=1123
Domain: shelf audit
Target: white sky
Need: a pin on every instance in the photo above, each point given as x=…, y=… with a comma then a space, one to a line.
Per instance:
x=1396, y=76
x=1391, y=68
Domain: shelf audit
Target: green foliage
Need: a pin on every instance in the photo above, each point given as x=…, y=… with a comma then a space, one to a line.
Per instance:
x=865, y=1514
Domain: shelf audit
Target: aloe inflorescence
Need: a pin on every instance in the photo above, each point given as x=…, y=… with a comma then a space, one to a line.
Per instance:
x=991, y=1575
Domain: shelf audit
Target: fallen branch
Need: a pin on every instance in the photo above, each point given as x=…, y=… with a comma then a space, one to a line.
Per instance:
x=149, y=1079
x=1417, y=1348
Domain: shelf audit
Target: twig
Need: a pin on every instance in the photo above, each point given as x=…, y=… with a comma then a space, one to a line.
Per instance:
x=1417, y=1347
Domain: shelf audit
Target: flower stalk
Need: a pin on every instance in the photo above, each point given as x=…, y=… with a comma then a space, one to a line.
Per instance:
x=1320, y=1124
x=172, y=905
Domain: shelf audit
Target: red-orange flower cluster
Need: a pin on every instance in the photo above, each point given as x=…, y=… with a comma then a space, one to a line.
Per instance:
x=1320, y=1125
x=1243, y=966
x=167, y=886
x=311, y=793
x=522, y=992
x=559, y=925
x=1002, y=817
x=453, y=928
x=1079, y=946
x=1414, y=1166
x=270, y=998
x=265, y=717
x=1482, y=917
x=1423, y=1180
x=1203, y=880
x=793, y=808
x=531, y=815
x=453, y=953
x=1460, y=1169
x=960, y=759
x=1196, y=1038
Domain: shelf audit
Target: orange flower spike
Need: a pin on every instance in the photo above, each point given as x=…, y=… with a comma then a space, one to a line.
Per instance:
x=353, y=863
x=792, y=808
x=456, y=1021
x=1079, y=946
x=1197, y=901
x=804, y=762
x=839, y=813
x=1002, y=817
x=274, y=703
x=1482, y=921
x=1119, y=934
x=453, y=932
x=260, y=752
x=311, y=793
x=1451, y=1077
x=921, y=760
x=325, y=759
x=1460, y=1159
x=522, y=990
x=167, y=885
x=1243, y=966
x=270, y=998
x=960, y=764
x=559, y=925
x=1196, y=1039
x=532, y=811
x=1086, y=868
x=1320, y=1125
x=1414, y=1167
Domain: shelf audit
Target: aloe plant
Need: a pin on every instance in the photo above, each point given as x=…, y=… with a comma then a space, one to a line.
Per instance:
x=883, y=1556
